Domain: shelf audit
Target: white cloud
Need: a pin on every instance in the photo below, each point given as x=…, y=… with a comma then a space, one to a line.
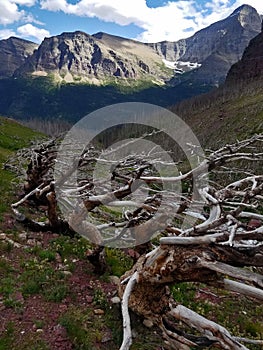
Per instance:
x=169, y=22
x=55, y=5
x=158, y=23
x=122, y=12
x=29, y=18
x=172, y=21
x=30, y=31
x=25, y=2
x=9, y=12
x=6, y=33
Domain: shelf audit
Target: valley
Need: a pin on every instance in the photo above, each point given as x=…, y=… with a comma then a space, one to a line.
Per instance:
x=72, y=74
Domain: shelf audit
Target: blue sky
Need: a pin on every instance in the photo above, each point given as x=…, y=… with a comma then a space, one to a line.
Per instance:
x=144, y=20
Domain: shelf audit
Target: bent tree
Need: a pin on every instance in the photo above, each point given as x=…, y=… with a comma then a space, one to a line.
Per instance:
x=212, y=233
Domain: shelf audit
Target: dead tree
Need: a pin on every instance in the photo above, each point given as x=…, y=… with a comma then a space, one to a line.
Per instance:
x=221, y=240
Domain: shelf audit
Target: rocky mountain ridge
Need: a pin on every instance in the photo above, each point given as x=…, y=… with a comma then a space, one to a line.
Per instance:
x=245, y=17
x=80, y=57
x=217, y=47
x=93, y=71
x=103, y=59
x=235, y=109
x=250, y=67
x=13, y=53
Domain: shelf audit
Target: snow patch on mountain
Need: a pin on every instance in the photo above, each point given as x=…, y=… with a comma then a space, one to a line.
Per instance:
x=181, y=67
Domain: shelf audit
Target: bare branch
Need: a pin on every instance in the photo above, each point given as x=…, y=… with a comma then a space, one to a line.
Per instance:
x=232, y=271
x=210, y=329
x=127, y=335
x=243, y=289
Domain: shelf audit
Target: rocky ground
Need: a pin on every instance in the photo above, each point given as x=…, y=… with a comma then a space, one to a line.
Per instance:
x=50, y=297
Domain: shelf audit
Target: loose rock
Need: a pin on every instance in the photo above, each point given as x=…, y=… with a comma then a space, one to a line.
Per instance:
x=2, y=236
x=148, y=323
x=99, y=312
x=22, y=236
x=115, y=300
x=114, y=280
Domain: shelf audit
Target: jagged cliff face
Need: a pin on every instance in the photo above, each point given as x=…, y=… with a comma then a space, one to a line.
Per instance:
x=216, y=47
x=13, y=53
x=250, y=67
x=96, y=59
x=205, y=58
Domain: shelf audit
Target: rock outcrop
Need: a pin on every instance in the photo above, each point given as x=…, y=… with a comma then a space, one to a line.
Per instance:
x=97, y=59
x=13, y=53
x=103, y=59
x=250, y=67
x=216, y=47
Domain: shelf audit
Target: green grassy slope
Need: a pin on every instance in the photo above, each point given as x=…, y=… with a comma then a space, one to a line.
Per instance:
x=13, y=136
x=224, y=116
x=35, y=273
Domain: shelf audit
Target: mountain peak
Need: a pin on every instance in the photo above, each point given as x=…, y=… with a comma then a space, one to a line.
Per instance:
x=244, y=8
x=13, y=53
x=20, y=40
x=98, y=59
x=73, y=34
x=247, y=16
x=99, y=35
x=102, y=57
x=216, y=47
x=108, y=38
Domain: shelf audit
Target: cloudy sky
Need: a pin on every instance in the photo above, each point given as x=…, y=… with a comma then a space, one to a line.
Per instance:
x=144, y=20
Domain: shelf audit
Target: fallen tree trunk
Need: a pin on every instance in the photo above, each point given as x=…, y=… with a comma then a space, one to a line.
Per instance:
x=216, y=247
